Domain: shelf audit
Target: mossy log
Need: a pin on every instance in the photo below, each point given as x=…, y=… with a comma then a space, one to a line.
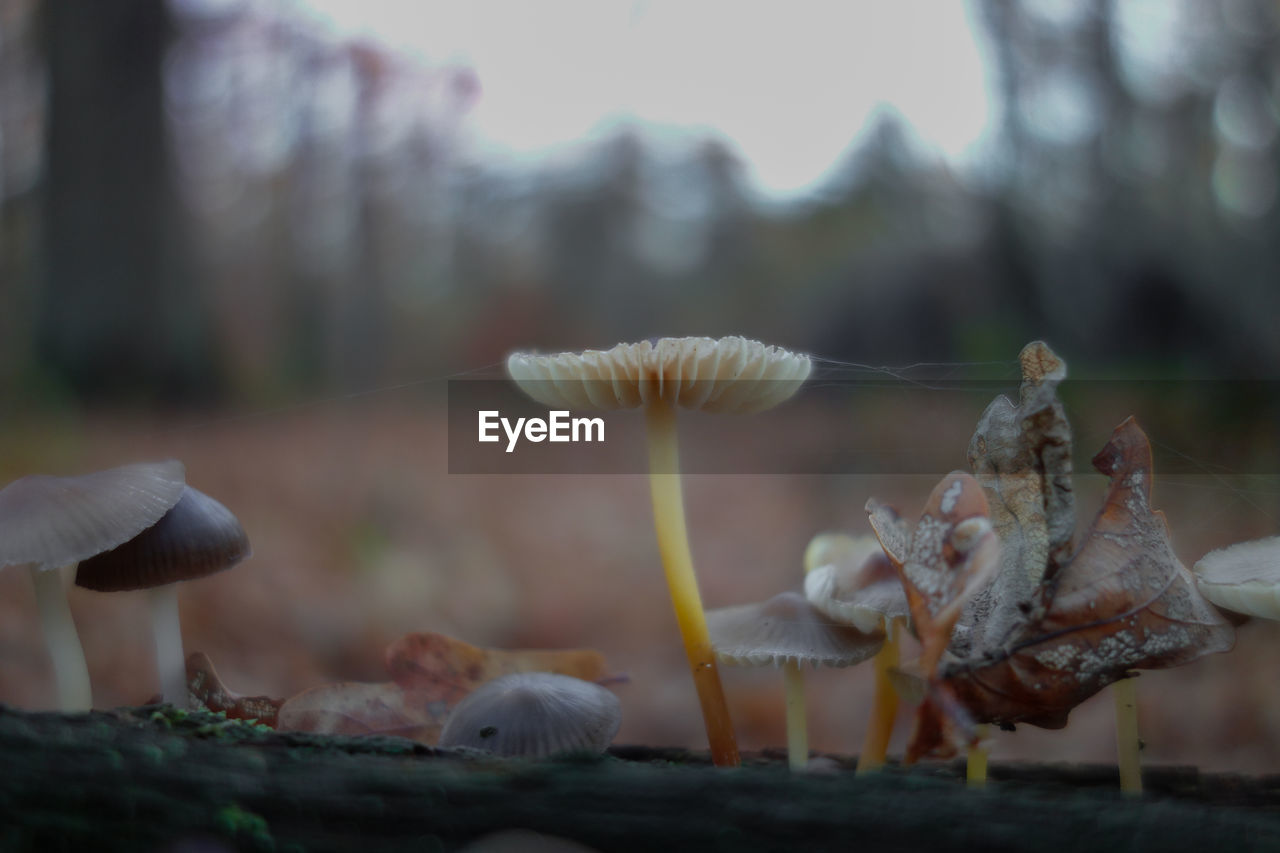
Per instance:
x=153, y=778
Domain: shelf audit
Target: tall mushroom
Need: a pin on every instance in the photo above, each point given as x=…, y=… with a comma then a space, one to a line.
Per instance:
x=197, y=537
x=50, y=524
x=730, y=375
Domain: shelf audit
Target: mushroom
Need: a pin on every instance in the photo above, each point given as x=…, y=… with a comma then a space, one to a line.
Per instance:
x=788, y=631
x=50, y=524
x=197, y=537
x=727, y=375
x=852, y=581
x=1244, y=577
x=534, y=715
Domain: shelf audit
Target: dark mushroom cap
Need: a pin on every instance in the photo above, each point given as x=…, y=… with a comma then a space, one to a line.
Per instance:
x=786, y=629
x=534, y=715
x=48, y=522
x=197, y=537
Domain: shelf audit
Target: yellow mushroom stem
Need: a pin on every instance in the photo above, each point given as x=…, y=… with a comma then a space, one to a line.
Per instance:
x=884, y=704
x=1127, y=743
x=976, y=768
x=797, y=725
x=673, y=545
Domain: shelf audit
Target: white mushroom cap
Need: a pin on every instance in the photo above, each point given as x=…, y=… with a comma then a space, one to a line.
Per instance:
x=852, y=581
x=534, y=715
x=786, y=629
x=1244, y=577
x=727, y=375
x=49, y=522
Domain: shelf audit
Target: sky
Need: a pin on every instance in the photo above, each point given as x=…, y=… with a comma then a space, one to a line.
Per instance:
x=789, y=85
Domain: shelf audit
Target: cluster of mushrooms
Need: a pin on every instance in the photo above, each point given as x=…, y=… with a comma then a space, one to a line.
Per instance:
x=141, y=526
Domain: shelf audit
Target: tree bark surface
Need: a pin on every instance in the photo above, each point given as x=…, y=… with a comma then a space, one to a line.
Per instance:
x=154, y=778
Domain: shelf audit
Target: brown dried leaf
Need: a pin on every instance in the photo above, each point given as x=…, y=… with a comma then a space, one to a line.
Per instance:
x=952, y=553
x=1123, y=602
x=453, y=668
x=204, y=684
x=1022, y=457
x=356, y=708
x=432, y=673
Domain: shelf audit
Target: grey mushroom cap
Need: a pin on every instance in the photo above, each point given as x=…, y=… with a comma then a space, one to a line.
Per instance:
x=197, y=537
x=787, y=629
x=534, y=715
x=48, y=522
x=853, y=582
x=729, y=375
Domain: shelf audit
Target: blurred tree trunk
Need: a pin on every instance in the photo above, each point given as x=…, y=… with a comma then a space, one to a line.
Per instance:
x=120, y=311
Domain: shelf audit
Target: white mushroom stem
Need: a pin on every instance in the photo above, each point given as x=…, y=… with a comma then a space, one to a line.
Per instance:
x=884, y=706
x=166, y=631
x=70, y=672
x=797, y=725
x=1127, y=743
x=677, y=561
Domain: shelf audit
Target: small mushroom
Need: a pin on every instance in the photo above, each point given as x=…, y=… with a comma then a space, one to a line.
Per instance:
x=197, y=537
x=730, y=375
x=852, y=581
x=50, y=524
x=534, y=715
x=788, y=631
x=1244, y=577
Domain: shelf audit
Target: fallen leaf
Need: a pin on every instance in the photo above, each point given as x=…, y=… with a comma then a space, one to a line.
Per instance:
x=431, y=674
x=1123, y=602
x=454, y=668
x=204, y=684
x=359, y=708
x=951, y=554
x=1021, y=455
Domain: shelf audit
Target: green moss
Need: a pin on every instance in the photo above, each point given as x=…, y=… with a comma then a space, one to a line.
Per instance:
x=245, y=826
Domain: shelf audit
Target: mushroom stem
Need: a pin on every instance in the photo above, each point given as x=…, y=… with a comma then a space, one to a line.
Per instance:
x=797, y=725
x=976, y=767
x=166, y=631
x=673, y=544
x=884, y=706
x=1127, y=743
x=69, y=670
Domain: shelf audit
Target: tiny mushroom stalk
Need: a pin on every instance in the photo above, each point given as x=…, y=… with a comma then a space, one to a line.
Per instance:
x=197, y=537
x=789, y=632
x=534, y=715
x=730, y=375
x=51, y=524
x=852, y=581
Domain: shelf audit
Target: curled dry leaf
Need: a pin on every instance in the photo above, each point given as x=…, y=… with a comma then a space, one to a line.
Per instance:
x=1123, y=602
x=207, y=688
x=1022, y=457
x=431, y=674
x=952, y=552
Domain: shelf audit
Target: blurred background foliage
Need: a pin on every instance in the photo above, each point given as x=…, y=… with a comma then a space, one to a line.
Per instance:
x=223, y=202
